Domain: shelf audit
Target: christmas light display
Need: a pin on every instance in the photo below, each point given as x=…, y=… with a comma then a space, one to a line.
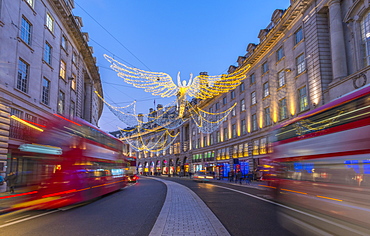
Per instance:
x=161, y=84
x=152, y=142
x=208, y=122
x=149, y=132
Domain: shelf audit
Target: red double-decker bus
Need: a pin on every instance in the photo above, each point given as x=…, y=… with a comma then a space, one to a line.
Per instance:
x=77, y=162
x=322, y=164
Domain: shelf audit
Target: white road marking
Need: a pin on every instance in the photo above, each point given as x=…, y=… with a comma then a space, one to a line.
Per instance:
x=16, y=218
x=292, y=209
x=29, y=218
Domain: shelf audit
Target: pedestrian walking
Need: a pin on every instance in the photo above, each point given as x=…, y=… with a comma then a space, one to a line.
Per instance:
x=231, y=175
x=239, y=176
x=249, y=178
x=11, y=180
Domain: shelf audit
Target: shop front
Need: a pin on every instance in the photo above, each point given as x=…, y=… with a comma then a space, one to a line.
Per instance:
x=222, y=170
x=164, y=167
x=152, y=168
x=140, y=168
x=157, y=168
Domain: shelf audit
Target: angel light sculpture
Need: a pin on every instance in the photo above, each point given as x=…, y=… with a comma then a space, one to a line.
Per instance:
x=161, y=84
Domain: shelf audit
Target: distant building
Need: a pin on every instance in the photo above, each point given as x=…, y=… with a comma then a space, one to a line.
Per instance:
x=308, y=55
x=46, y=68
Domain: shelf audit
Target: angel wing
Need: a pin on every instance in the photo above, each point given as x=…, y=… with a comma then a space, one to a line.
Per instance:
x=157, y=83
x=205, y=86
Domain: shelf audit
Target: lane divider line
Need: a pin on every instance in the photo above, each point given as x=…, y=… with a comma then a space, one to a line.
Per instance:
x=292, y=209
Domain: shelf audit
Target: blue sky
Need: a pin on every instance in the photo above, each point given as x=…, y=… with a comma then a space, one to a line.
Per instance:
x=168, y=36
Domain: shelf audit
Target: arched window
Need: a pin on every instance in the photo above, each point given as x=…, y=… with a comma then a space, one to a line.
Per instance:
x=365, y=30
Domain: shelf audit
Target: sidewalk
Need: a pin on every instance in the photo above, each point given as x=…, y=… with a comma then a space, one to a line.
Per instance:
x=184, y=213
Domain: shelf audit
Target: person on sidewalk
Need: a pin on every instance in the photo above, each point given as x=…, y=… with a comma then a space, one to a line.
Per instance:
x=239, y=177
x=2, y=184
x=249, y=178
x=11, y=179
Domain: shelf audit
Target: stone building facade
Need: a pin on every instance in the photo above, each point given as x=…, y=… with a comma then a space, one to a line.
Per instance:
x=46, y=68
x=308, y=55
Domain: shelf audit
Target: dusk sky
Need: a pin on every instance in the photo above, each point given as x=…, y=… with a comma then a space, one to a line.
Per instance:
x=168, y=36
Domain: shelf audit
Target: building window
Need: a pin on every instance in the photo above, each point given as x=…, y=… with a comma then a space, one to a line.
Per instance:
x=240, y=150
x=266, y=91
x=281, y=78
x=242, y=87
x=280, y=54
x=61, y=101
x=64, y=42
x=217, y=106
x=26, y=31
x=73, y=82
x=218, y=137
x=253, y=98
x=211, y=139
x=267, y=116
x=23, y=74
x=233, y=127
x=16, y=129
x=225, y=134
x=224, y=100
x=31, y=118
x=62, y=71
x=30, y=2
x=233, y=112
x=244, y=127
x=298, y=36
x=47, y=53
x=265, y=67
x=49, y=22
x=252, y=79
x=365, y=30
x=246, y=149
x=242, y=105
x=72, y=110
x=205, y=141
x=303, y=100
x=45, y=91
x=283, y=112
x=74, y=58
x=235, y=151
x=300, y=63
x=263, y=146
x=232, y=94
x=254, y=122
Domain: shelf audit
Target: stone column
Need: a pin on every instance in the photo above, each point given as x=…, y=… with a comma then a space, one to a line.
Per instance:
x=338, y=50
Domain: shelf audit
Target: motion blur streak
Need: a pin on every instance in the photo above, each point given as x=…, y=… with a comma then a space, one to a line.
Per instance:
x=330, y=198
x=67, y=119
x=267, y=186
x=60, y=193
x=325, y=153
x=26, y=123
x=293, y=191
x=18, y=195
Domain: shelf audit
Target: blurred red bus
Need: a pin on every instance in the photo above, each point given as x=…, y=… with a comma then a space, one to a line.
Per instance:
x=322, y=161
x=79, y=162
x=131, y=170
